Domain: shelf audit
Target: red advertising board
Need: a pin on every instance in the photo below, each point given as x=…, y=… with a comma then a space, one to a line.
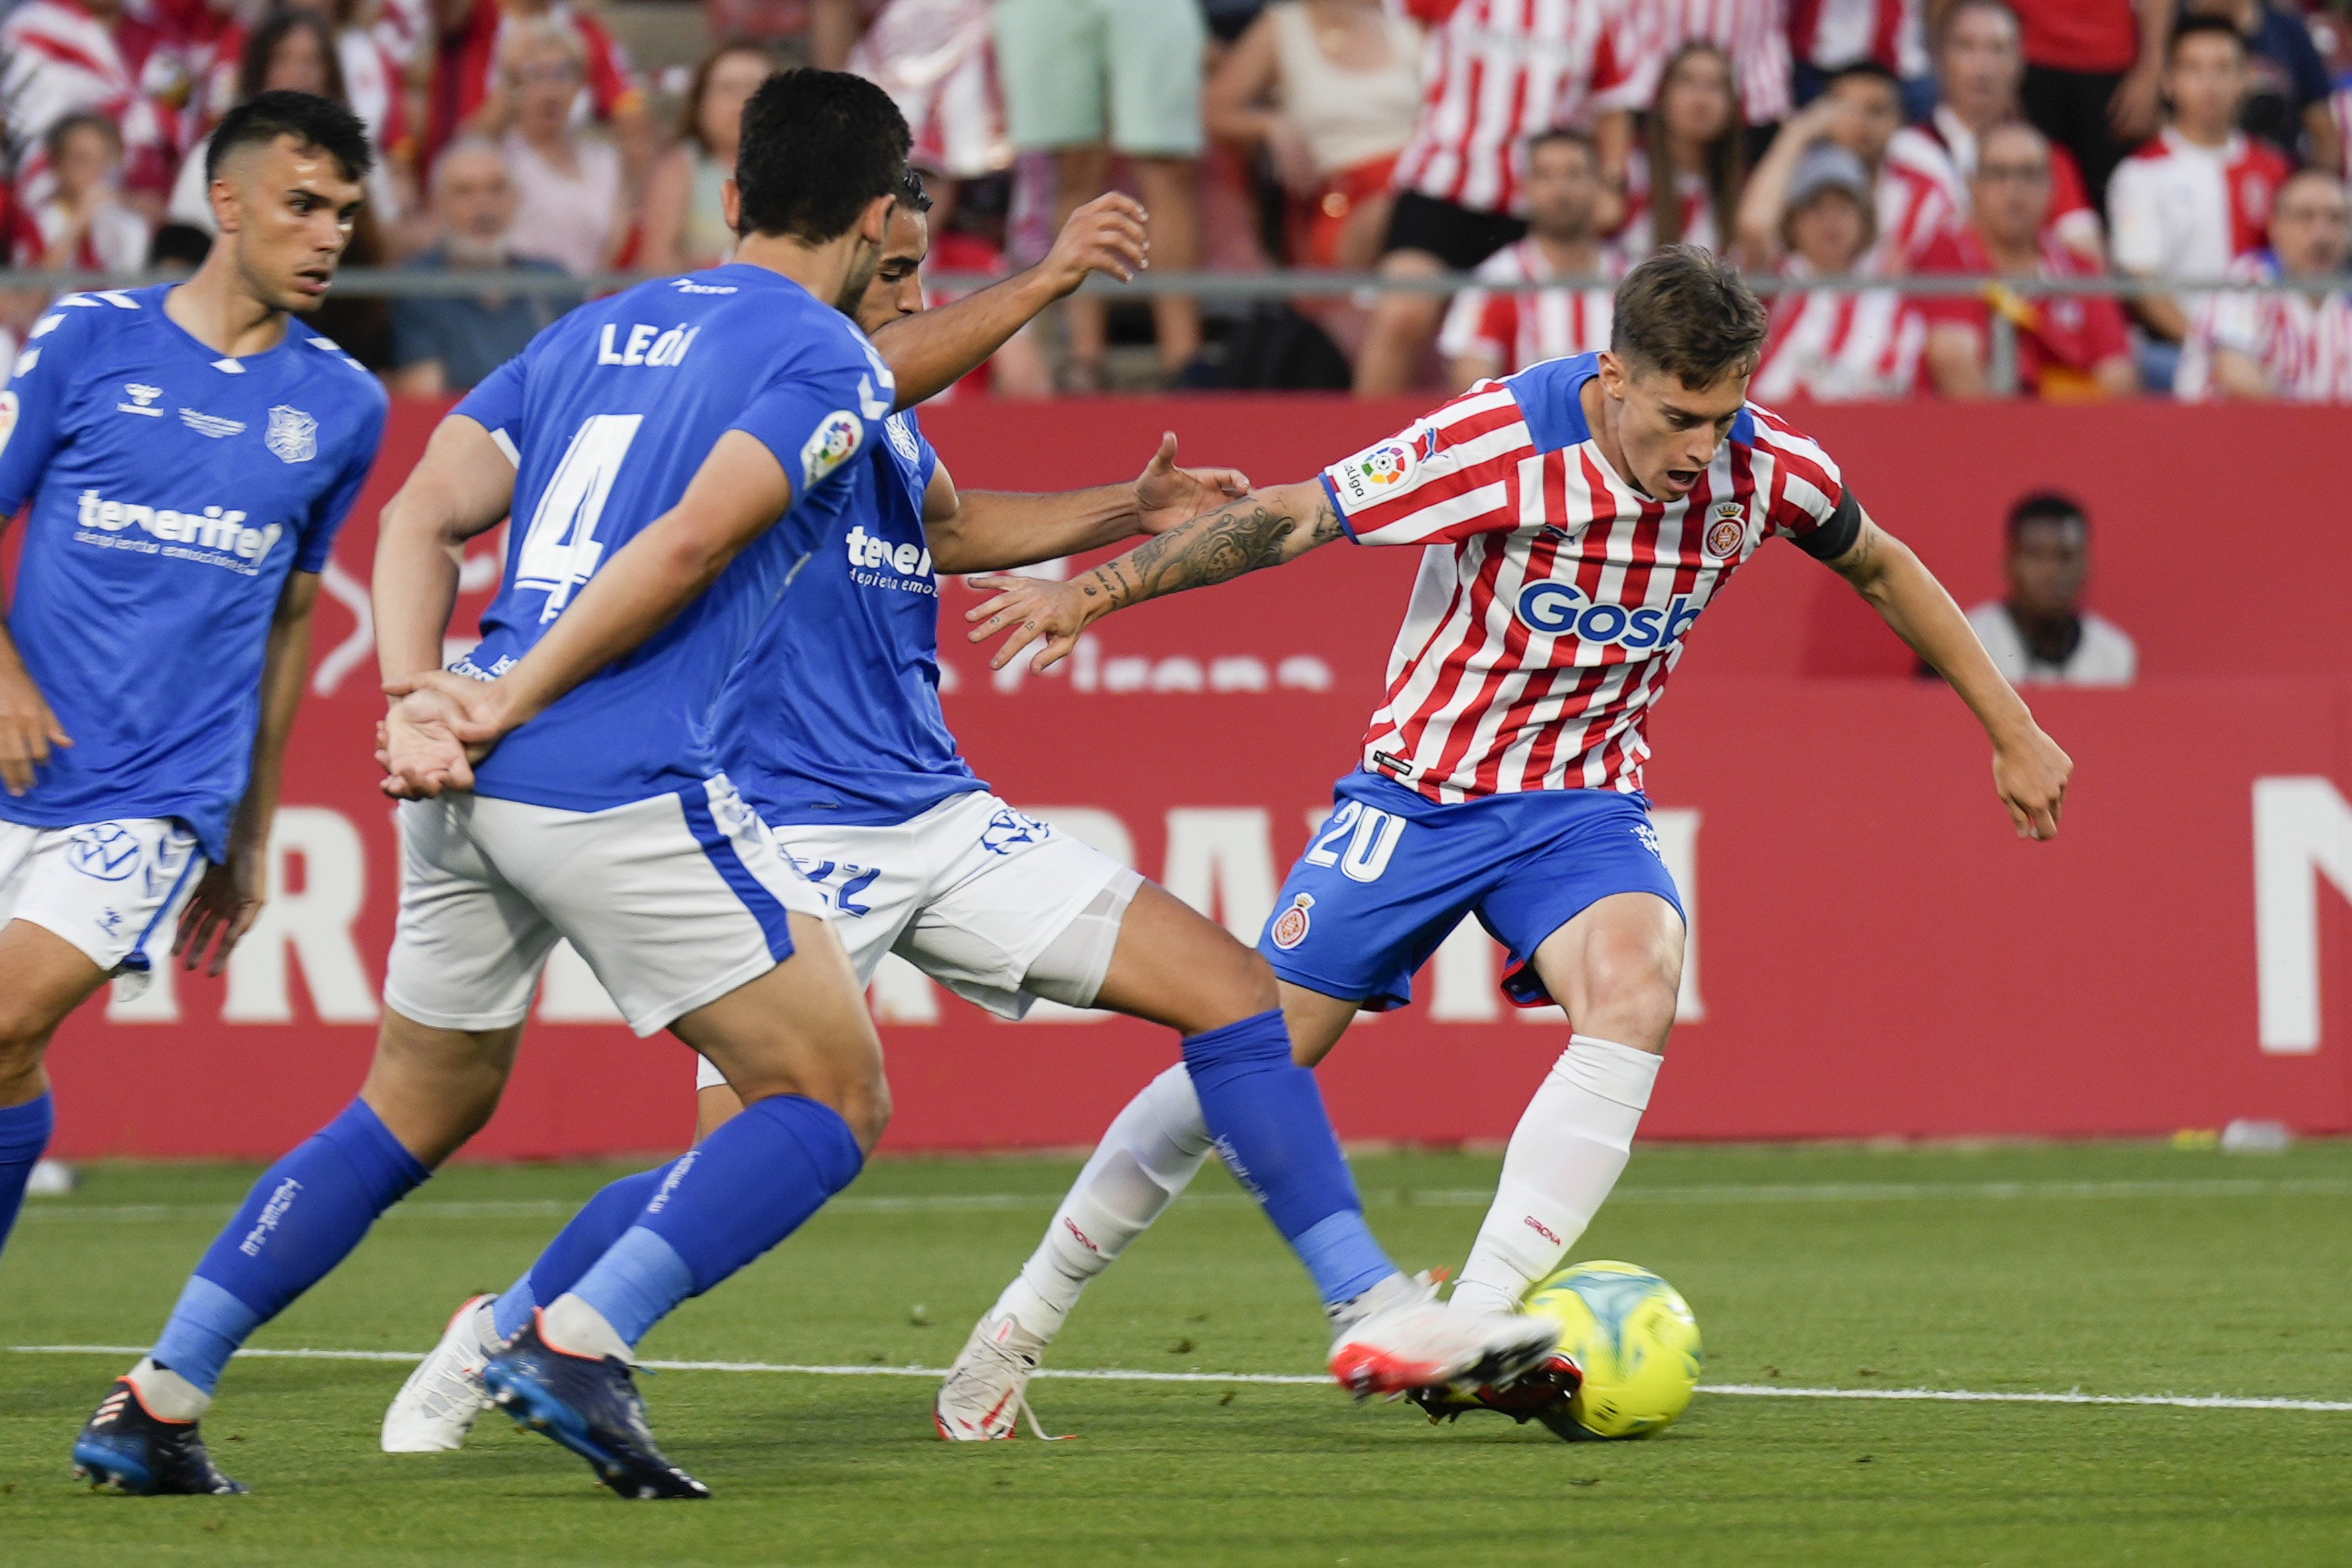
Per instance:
x=1875, y=953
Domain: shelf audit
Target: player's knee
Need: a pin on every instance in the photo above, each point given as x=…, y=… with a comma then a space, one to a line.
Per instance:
x=1633, y=979
x=1241, y=987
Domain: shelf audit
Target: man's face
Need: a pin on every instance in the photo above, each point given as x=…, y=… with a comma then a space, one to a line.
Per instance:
x=895, y=290
x=1831, y=231
x=473, y=197
x=85, y=163
x=2010, y=188
x=1669, y=432
x=2206, y=81
x=288, y=210
x=2311, y=226
x=1560, y=192
x=1981, y=63
x=2047, y=564
x=545, y=81
x=1874, y=113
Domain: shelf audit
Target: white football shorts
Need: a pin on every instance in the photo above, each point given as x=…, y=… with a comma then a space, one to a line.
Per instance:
x=111, y=888
x=999, y=907
x=674, y=901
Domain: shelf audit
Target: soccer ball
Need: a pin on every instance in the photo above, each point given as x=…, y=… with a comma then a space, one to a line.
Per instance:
x=1634, y=1339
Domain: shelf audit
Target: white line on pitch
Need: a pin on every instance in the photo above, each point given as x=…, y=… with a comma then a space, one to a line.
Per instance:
x=1116, y=1374
x=1375, y=1197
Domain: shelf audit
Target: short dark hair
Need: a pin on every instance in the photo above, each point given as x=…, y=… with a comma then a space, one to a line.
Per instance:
x=2202, y=27
x=912, y=195
x=817, y=147
x=54, y=141
x=309, y=120
x=1866, y=70
x=2046, y=506
x=1687, y=311
x=1563, y=136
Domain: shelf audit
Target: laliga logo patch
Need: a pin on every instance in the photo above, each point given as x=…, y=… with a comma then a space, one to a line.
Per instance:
x=1728, y=531
x=1388, y=464
x=834, y=442
x=1289, y=928
x=292, y=435
x=103, y=850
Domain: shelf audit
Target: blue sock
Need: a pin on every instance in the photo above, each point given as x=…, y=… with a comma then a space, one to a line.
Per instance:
x=24, y=1137
x=746, y=1187
x=578, y=1245
x=1266, y=1114
x=303, y=1217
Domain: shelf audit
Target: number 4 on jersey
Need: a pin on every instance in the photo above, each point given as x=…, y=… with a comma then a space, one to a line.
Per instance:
x=560, y=549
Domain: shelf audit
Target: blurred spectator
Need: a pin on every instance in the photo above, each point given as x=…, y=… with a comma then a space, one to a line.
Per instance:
x=178, y=249
x=83, y=222
x=1019, y=369
x=803, y=32
x=2093, y=74
x=1834, y=345
x=570, y=200
x=1753, y=36
x=471, y=90
x=2198, y=197
x=936, y=60
x=1493, y=72
x=2068, y=346
x=684, y=224
x=447, y=343
x=1915, y=192
x=1694, y=145
x=2288, y=345
x=1979, y=65
x=374, y=76
x=1828, y=35
x=66, y=57
x=1524, y=316
x=2287, y=88
x=1084, y=80
x=1327, y=90
x=2042, y=633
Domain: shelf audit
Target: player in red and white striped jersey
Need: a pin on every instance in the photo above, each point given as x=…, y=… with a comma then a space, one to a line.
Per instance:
x=1526, y=316
x=1574, y=522
x=2290, y=345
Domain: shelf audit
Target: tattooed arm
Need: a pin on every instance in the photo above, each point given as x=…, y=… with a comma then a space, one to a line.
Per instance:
x=1264, y=528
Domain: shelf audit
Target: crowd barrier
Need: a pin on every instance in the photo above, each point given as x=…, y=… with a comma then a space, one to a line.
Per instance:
x=1875, y=953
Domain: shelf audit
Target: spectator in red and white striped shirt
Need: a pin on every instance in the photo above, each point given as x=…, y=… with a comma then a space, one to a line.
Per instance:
x=1693, y=146
x=63, y=56
x=1520, y=323
x=1980, y=67
x=1496, y=72
x=1826, y=344
x=1914, y=193
x=2286, y=345
x=1753, y=36
x=1827, y=36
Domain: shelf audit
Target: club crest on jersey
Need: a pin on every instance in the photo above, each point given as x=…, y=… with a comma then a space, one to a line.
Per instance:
x=1728, y=531
x=104, y=850
x=292, y=435
x=1289, y=928
x=832, y=443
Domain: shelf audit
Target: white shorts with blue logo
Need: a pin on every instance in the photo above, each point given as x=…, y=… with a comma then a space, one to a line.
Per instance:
x=974, y=893
x=111, y=888
x=672, y=901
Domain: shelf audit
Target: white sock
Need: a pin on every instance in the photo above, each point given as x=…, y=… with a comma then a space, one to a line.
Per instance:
x=1566, y=1154
x=1150, y=1153
x=574, y=1327
x=167, y=1395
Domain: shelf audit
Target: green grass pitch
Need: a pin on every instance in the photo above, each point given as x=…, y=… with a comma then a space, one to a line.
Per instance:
x=2107, y=1269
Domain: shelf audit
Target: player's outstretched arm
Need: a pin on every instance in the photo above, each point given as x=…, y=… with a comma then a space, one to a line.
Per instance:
x=1264, y=528
x=932, y=350
x=995, y=530
x=2029, y=770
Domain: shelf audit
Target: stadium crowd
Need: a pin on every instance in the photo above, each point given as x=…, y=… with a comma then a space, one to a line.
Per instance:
x=1545, y=145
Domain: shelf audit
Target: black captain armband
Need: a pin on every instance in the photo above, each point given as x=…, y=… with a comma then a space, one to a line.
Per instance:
x=1835, y=537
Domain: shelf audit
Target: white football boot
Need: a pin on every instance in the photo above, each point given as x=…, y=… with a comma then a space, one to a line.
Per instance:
x=1399, y=1337
x=986, y=1391
x=444, y=1396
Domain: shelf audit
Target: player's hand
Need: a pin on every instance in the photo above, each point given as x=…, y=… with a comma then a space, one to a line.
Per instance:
x=1105, y=236
x=28, y=729
x=2030, y=773
x=222, y=909
x=1169, y=497
x=1033, y=610
x=428, y=741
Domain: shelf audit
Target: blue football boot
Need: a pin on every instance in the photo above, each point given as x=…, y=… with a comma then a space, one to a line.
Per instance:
x=590, y=1406
x=128, y=1449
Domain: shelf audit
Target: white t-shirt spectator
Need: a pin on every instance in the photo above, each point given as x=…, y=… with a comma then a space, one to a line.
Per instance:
x=1839, y=347
x=2303, y=343
x=1753, y=33
x=2104, y=655
x=1520, y=323
x=567, y=218
x=2178, y=210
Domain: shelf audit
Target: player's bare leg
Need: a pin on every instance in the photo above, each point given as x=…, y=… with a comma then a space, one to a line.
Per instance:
x=43, y=977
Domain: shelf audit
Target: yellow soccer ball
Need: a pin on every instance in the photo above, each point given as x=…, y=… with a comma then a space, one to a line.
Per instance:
x=1634, y=1339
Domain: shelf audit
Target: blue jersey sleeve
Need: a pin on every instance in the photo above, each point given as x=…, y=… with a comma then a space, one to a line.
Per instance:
x=496, y=403
x=33, y=408
x=820, y=409
x=327, y=513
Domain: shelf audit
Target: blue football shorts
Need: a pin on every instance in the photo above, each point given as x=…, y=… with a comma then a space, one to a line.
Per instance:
x=1391, y=873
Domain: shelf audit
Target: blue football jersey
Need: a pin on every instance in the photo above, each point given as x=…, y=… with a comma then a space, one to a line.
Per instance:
x=608, y=414
x=835, y=715
x=172, y=492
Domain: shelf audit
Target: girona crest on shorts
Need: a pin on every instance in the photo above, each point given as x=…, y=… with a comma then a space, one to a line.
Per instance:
x=1289, y=928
